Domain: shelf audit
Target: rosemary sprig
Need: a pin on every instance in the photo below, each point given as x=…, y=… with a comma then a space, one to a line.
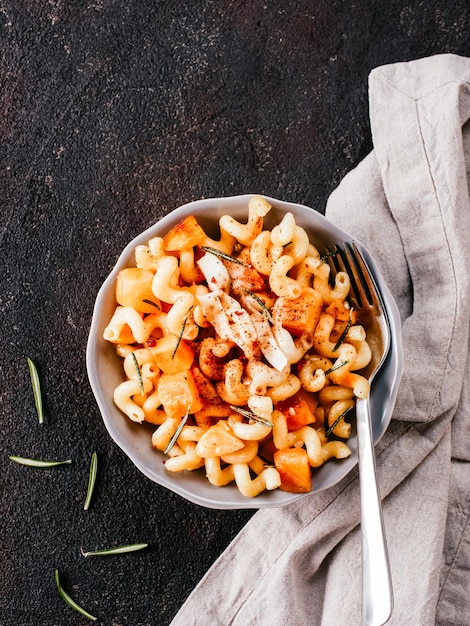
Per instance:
x=251, y=416
x=263, y=306
x=151, y=303
x=118, y=550
x=221, y=255
x=336, y=366
x=68, y=600
x=91, y=480
x=36, y=462
x=177, y=433
x=344, y=333
x=33, y=373
x=139, y=373
x=337, y=421
x=180, y=336
x=327, y=255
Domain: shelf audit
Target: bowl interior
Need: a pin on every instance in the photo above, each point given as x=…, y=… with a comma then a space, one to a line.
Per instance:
x=105, y=371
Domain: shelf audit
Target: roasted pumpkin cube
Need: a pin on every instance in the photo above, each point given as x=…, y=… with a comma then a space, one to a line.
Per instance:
x=172, y=355
x=299, y=410
x=339, y=310
x=299, y=315
x=186, y=234
x=218, y=440
x=134, y=287
x=294, y=470
x=177, y=392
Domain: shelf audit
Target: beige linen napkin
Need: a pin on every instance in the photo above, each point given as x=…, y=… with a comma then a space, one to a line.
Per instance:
x=408, y=203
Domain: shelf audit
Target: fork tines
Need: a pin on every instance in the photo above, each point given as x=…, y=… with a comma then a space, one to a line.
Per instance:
x=348, y=259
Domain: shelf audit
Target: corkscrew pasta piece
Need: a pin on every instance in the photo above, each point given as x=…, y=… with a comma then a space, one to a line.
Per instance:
x=246, y=233
x=241, y=351
x=124, y=398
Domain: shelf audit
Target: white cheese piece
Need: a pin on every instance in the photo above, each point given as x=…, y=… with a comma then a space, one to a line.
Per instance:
x=215, y=272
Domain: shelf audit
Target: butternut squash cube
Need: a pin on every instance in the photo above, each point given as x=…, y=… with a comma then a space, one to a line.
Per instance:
x=133, y=287
x=294, y=470
x=177, y=392
x=299, y=315
x=218, y=440
x=171, y=356
x=186, y=234
x=299, y=410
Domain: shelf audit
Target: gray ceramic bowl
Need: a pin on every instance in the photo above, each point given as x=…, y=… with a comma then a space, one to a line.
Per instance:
x=105, y=371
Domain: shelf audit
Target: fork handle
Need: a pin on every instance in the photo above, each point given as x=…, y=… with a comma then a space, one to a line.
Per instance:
x=377, y=591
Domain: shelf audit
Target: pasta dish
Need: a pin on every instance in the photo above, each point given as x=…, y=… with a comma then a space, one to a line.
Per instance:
x=241, y=351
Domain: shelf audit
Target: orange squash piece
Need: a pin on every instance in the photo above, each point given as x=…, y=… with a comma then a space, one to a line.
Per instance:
x=294, y=470
x=178, y=391
x=134, y=287
x=186, y=234
x=172, y=355
x=299, y=315
x=299, y=410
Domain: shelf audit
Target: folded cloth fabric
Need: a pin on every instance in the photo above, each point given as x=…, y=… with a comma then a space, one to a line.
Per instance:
x=408, y=203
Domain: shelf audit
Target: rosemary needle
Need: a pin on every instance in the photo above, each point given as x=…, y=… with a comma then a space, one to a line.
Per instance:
x=139, y=373
x=344, y=333
x=177, y=433
x=68, y=600
x=337, y=421
x=91, y=480
x=33, y=372
x=251, y=416
x=222, y=255
x=133, y=547
x=36, y=462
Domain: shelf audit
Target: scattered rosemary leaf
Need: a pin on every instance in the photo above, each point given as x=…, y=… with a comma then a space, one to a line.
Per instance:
x=119, y=550
x=337, y=421
x=139, y=373
x=33, y=372
x=151, y=303
x=68, y=600
x=221, y=255
x=177, y=433
x=91, y=480
x=336, y=366
x=344, y=333
x=251, y=416
x=36, y=462
x=263, y=306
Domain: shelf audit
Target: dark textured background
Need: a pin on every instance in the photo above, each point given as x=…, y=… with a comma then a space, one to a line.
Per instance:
x=112, y=113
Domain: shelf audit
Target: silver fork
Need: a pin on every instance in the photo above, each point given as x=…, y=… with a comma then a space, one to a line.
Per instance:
x=365, y=298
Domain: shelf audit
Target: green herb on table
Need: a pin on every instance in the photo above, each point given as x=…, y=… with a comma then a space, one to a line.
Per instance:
x=36, y=462
x=68, y=600
x=91, y=480
x=33, y=372
x=118, y=550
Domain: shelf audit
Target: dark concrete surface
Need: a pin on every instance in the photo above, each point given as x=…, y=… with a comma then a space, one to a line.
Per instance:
x=112, y=113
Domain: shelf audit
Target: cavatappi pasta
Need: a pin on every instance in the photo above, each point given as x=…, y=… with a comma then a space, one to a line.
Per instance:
x=240, y=351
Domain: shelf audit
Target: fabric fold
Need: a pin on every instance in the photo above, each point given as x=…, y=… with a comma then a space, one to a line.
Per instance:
x=407, y=202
